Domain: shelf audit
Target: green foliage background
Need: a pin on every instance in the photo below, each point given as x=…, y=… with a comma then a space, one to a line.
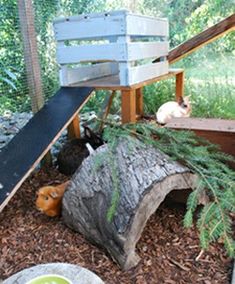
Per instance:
x=209, y=72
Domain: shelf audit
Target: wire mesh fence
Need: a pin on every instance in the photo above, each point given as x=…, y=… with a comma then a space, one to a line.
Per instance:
x=28, y=70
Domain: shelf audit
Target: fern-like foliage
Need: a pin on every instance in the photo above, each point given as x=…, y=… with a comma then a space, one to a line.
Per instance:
x=215, y=178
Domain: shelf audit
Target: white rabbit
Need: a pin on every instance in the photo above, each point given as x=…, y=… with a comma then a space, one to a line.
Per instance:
x=172, y=109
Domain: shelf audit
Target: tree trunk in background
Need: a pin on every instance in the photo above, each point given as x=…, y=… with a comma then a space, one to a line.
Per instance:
x=145, y=177
x=27, y=25
x=132, y=6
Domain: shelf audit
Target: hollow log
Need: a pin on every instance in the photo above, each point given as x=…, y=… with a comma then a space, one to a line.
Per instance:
x=145, y=177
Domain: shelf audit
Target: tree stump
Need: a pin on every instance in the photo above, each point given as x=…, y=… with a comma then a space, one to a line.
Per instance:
x=145, y=175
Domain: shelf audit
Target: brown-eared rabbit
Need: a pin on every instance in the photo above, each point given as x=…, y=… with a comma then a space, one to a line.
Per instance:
x=49, y=199
x=171, y=109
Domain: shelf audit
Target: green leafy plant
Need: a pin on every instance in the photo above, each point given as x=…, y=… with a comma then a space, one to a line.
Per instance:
x=8, y=77
x=215, y=178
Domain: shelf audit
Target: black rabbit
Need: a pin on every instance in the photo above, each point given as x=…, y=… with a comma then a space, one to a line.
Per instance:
x=75, y=151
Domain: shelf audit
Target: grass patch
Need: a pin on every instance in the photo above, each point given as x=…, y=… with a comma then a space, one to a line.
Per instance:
x=211, y=85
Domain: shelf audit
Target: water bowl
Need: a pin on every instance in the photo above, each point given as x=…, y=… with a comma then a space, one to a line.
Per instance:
x=49, y=279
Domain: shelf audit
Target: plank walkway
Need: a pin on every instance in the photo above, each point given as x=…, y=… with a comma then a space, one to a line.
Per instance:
x=23, y=153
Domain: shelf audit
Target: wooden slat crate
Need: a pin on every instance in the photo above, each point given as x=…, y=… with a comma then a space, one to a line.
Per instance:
x=111, y=43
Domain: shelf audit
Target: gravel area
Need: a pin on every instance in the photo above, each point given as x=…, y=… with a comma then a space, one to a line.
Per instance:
x=10, y=124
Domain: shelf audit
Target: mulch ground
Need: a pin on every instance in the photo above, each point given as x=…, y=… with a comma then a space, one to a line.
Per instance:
x=168, y=251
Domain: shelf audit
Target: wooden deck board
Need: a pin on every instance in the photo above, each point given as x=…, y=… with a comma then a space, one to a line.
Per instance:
x=22, y=154
x=218, y=131
x=208, y=124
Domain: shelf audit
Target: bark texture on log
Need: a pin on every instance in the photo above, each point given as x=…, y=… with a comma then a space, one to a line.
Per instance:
x=145, y=176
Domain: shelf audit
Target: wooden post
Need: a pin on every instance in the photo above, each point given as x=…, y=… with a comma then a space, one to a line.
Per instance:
x=128, y=106
x=74, y=128
x=139, y=102
x=33, y=70
x=179, y=85
x=26, y=16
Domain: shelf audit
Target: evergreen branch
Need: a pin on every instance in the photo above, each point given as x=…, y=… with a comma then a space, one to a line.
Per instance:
x=227, y=238
x=206, y=210
x=214, y=229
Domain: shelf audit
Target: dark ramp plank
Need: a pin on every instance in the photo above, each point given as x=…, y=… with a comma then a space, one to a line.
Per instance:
x=27, y=148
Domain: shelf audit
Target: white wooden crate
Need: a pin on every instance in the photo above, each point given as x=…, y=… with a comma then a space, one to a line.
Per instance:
x=126, y=39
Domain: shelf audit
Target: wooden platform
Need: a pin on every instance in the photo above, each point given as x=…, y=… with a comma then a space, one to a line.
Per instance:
x=132, y=96
x=113, y=83
x=19, y=158
x=218, y=131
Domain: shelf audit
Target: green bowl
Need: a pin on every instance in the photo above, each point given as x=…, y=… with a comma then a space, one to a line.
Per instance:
x=50, y=279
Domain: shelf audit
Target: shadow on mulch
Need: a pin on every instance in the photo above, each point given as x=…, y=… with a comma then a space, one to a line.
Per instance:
x=167, y=250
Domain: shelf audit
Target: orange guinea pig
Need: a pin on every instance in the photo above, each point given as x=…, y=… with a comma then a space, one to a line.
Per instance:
x=49, y=199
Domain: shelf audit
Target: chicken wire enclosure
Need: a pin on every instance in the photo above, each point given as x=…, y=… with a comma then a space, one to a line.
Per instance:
x=24, y=88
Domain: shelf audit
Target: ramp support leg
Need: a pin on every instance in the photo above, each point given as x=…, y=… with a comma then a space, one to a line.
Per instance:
x=74, y=128
x=139, y=103
x=128, y=106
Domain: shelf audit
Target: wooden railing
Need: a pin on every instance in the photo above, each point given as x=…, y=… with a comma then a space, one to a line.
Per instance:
x=201, y=39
